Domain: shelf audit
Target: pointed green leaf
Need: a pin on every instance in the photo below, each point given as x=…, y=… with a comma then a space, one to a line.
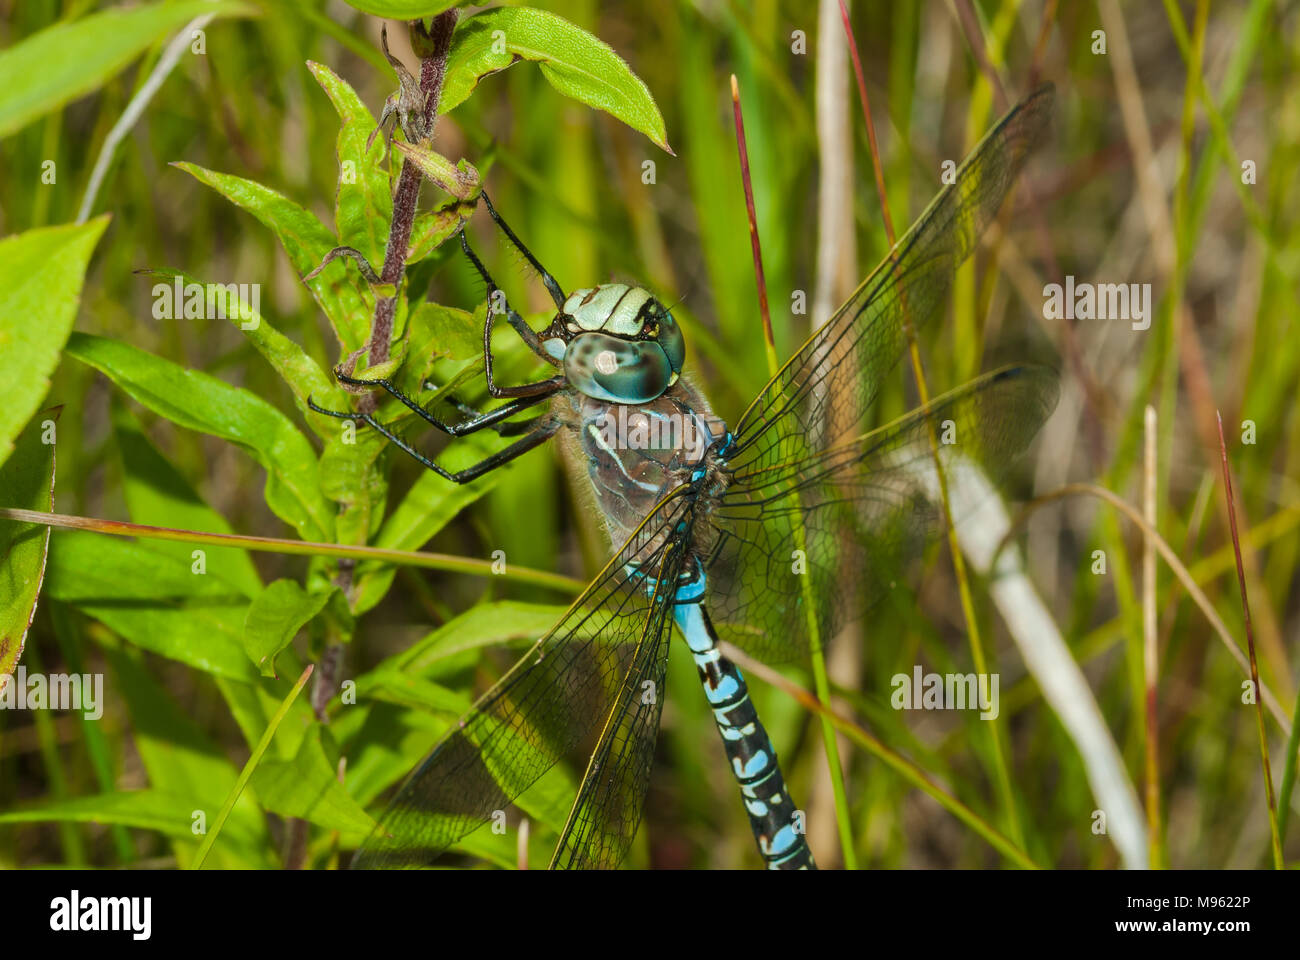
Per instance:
x=197, y=401
x=274, y=618
x=26, y=481
x=346, y=302
x=68, y=60
x=41, y=272
x=363, y=205
x=484, y=625
x=431, y=230
x=146, y=809
x=404, y=9
x=576, y=63
x=302, y=374
x=158, y=495
x=308, y=787
x=408, y=690
x=154, y=601
x=178, y=756
x=460, y=180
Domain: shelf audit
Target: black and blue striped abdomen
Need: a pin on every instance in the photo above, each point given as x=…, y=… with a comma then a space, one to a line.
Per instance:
x=777, y=824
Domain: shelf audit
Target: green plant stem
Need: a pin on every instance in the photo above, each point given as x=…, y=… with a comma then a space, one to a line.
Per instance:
x=1288, y=772
x=410, y=558
x=1150, y=650
x=249, y=767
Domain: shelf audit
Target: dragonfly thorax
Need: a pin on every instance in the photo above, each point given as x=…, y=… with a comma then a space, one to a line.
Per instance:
x=618, y=344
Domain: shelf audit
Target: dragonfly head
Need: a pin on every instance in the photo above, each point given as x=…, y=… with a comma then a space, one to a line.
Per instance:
x=617, y=343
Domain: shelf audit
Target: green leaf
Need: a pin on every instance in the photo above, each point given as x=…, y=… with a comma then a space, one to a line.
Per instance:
x=153, y=600
x=363, y=205
x=576, y=63
x=347, y=303
x=147, y=809
x=485, y=625
x=383, y=743
x=460, y=180
x=403, y=9
x=351, y=476
x=431, y=230
x=436, y=332
x=308, y=787
x=197, y=401
x=178, y=756
x=408, y=690
x=428, y=506
x=274, y=618
x=158, y=495
x=68, y=60
x=303, y=374
x=254, y=704
x=41, y=272
x=26, y=481
x=254, y=760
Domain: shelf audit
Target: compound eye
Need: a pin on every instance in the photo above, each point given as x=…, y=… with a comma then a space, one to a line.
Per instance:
x=610, y=368
x=671, y=339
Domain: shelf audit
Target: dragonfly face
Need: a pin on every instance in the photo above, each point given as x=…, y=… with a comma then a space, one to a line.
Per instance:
x=617, y=344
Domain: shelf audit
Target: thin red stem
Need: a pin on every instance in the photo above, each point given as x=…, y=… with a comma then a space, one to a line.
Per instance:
x=1250, y=647
x=753, y=217
x=871, y=126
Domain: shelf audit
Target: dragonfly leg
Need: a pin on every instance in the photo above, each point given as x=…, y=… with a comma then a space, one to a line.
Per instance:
x=545, y=429
x=526, y=333
x=548, y=281
x=506, y=428
x=477, y=421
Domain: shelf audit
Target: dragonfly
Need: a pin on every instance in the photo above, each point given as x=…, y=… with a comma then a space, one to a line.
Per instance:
x=769, y=534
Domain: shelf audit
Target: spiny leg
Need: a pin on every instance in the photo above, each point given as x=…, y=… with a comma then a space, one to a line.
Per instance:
x=526, y=394
x=547, y=386
x=548, y=281
x=507, y=428
x=477, y=421
x=545, y=429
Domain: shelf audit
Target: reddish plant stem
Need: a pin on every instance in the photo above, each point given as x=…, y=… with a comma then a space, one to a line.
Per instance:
x=753, y=219
x=1278, y=862
x=433, y=69
x=871, y=126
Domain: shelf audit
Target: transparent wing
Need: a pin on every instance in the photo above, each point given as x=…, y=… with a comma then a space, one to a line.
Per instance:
x=828, y=533
x=607, y=811
x=555, y=702
x=827, y=387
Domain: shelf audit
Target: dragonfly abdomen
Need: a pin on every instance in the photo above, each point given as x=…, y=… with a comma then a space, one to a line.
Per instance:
x=777, y=824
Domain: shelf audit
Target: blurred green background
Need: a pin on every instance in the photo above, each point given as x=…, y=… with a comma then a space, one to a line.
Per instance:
x=1140, y=182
